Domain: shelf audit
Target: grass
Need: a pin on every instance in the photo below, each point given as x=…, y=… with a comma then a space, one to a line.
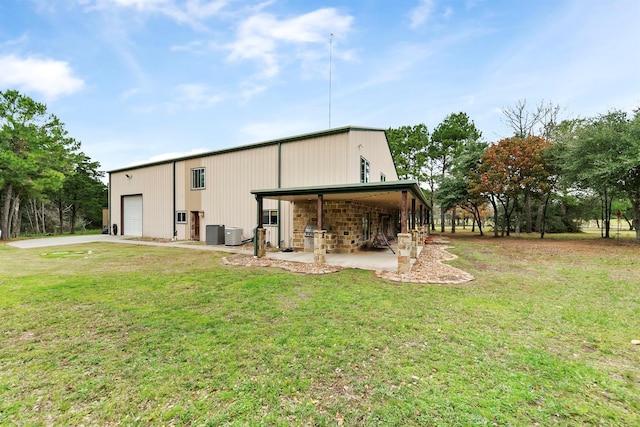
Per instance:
x=79, y=232
x=139, y=335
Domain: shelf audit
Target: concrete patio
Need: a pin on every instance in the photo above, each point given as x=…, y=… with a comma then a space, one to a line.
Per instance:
x=375, y=259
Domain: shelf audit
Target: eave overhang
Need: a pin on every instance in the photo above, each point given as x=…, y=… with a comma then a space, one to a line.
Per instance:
x=382, y=194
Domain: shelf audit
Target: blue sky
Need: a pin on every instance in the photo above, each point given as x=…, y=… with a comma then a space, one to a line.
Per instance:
x=142, y=80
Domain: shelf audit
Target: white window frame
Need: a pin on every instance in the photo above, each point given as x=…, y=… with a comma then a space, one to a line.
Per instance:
x=181, y=217
x=383, y=177
x=269, y=213
x=198, y=178
x=364, y=170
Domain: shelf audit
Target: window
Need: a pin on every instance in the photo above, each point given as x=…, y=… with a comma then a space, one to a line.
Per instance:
x=181, y=217
x=366, y=226
x=383, y=177
x=197, y=179
x=364, y=170
x=270, y=217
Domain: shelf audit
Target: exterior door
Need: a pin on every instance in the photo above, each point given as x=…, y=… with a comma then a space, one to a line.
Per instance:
x=131, y=216
x=195, y=225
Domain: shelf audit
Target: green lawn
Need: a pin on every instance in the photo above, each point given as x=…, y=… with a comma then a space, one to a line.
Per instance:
x=139, y=335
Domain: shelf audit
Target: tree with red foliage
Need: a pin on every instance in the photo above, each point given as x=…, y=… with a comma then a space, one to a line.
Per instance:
x=511, y=171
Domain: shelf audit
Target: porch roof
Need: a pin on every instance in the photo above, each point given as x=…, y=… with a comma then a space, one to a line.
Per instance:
x=386, y=194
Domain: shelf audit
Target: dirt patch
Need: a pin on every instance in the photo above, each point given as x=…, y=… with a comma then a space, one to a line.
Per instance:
x=152, y=239
x=298, y=267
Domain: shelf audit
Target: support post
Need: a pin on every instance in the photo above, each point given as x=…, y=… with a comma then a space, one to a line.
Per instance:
x=403, y=214
x=256, y=248
x=320, y=203
x=413, y=214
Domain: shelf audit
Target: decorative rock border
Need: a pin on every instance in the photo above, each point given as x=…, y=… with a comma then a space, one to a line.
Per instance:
x=428, y=268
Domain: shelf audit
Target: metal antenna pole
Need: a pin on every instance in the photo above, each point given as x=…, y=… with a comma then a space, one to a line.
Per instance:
x=330, y=67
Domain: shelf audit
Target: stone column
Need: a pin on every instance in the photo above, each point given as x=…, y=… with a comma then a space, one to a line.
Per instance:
x=424, y=233
x=415, y=235
x=261, y=236
x=404, y=252
x=319, y=246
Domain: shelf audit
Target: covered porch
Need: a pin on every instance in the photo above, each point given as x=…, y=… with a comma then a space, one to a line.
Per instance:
x=349, y=218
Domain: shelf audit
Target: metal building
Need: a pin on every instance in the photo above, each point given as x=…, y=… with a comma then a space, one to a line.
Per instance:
x=179, y=198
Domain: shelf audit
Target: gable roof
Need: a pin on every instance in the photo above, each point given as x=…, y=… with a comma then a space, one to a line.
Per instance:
x=333, y=131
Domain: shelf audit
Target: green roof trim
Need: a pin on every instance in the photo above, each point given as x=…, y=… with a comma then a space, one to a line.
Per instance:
x=295, y=138
x=369, y=187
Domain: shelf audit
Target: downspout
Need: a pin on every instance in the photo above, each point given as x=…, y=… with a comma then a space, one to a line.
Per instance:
x=175, y=230
x=279, y=185
x=109, y=204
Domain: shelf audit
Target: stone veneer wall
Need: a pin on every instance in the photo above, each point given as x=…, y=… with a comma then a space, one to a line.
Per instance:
x=343, y=222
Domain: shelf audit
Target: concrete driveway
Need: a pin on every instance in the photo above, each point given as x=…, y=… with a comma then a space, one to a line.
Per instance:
x=75, y=240
x=367, y=260
x=63, y=240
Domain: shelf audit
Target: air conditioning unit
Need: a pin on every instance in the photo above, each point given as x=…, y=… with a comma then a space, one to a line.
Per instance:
x=215, y=235
x=233, y=236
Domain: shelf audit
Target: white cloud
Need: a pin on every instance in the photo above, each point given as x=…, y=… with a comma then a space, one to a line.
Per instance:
x=196, y=47
x=259, y=36
x=194, y=95
x=191, y=12
x=49, y=77
x=395, y=67
x=129, y=93
x=248, y=90
x=140, y=4
x=421, y=13
x=187, y=96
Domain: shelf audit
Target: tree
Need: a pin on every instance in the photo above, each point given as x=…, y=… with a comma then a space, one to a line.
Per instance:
x=34, y=153
x=524, y=122
x=629, y=168
x=603, y=154
x=510, y=170
x=409, y=147
x=454, y=189
x=82, y=192
x=448, y=141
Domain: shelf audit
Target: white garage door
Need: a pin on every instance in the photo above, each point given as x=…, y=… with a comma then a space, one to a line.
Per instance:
x=132, y=215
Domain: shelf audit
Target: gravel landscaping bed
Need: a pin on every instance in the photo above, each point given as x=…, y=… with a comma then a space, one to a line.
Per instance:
x=428, y=268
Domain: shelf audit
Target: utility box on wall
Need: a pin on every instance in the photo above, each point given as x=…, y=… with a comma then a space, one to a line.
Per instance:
x=215, y=235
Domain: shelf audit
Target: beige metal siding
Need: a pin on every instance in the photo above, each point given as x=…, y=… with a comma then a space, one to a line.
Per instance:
x=182, y=180
x=316, y=161
x=154, y=183
x=372, y=145
x=230, y=179
x=193, y=198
